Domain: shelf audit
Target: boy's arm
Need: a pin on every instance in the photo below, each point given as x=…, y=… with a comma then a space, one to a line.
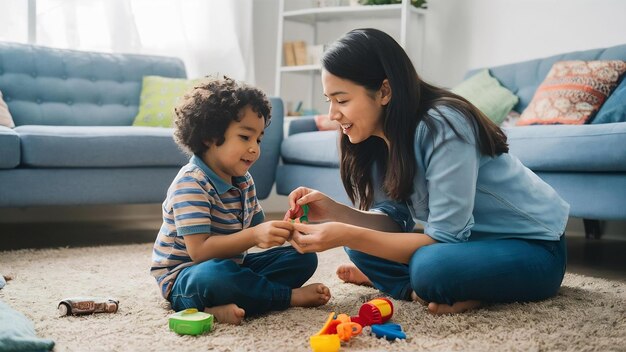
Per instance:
x=203, y=247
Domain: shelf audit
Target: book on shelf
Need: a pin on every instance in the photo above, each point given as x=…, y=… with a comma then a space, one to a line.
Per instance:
x=288, y=53
x=300, y=52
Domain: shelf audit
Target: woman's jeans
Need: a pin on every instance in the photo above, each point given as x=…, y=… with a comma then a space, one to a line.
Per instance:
x=263, y=282
x=496, y=271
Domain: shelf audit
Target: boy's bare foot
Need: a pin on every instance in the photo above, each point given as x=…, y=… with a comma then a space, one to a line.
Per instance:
x=312, y=295
x=228, y=313
x=351, y=274
x=458, y=307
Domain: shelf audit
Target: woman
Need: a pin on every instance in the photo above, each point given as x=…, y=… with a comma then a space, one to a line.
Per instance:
x=412, y=152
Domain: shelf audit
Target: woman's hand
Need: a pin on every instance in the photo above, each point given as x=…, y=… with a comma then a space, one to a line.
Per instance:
x=318, y=237
x=272, y=233
x=320, y=205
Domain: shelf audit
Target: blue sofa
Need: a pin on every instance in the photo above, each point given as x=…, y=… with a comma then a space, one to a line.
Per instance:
x=586, y=164
x=73, y=143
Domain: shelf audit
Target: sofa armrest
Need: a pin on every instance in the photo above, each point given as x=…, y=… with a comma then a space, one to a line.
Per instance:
x=302, y=124
x=264, y=170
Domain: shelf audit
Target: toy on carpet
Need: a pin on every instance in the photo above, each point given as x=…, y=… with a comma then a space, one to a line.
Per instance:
x=390, y=331
x=87, y=305
x=191, y=322
x=376, y=311
x=341, y=327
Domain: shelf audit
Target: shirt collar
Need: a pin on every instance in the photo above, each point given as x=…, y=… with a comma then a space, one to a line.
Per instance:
x=220, y=185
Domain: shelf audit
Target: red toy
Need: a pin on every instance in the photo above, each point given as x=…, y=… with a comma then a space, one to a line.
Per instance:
x=376, y=311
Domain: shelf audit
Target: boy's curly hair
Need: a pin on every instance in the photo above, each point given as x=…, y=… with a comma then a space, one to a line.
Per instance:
x=207, y=110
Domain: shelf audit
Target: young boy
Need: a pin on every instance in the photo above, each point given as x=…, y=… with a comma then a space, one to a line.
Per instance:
x=211, y=215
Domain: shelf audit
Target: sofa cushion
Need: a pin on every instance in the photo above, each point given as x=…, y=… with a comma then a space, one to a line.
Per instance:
x=104, y=146
x=573, y=92
x=159, y=97
x=486, y=93
x=9, y=148
x=614, y=108
x=312, y=148
x=565, y=148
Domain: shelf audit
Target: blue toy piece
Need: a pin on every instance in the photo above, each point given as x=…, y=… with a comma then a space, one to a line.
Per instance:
x=390, y=331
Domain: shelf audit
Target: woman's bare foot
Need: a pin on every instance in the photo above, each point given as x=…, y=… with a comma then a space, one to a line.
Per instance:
x=458, y=307
x=312, y=295
x=228, y=313
x=416, y=298
x=351, y=274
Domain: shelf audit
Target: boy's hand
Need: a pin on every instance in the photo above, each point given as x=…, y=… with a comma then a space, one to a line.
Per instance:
x=272, y=233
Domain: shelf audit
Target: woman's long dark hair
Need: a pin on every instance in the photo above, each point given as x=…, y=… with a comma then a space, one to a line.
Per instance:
x=367, y=57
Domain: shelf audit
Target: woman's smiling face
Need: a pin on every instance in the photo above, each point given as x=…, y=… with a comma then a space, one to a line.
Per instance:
x=357, y=110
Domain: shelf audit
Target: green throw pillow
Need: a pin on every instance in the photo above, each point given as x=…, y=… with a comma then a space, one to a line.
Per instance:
x=486, y=93
x=159, y=97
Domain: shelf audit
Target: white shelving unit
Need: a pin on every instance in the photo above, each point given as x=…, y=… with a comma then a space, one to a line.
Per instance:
x=323, y=25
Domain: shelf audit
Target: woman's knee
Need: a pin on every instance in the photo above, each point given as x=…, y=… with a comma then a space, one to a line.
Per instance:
x=428, y=274
x=355, y=256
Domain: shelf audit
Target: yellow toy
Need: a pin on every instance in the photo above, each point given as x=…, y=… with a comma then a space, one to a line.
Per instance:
x=325, y=343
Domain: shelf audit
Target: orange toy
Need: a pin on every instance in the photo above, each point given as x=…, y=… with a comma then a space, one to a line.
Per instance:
x=341, y=325
x=376, y=311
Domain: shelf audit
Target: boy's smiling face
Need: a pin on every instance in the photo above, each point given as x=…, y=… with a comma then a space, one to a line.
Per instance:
x=241, y=147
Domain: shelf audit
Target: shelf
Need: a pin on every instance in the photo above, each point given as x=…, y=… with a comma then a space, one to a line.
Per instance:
x=301, y=68
x=319, y=26
x=324, y=14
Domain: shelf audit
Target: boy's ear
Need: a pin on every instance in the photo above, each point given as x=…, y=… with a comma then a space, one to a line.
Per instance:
x=385, y=92
x=207, y=144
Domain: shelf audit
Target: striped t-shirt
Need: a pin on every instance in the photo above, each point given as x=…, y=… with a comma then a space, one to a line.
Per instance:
x=199, y=202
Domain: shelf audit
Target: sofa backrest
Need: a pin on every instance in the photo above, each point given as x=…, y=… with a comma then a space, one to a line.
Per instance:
x=523, y=78
x=46, y=86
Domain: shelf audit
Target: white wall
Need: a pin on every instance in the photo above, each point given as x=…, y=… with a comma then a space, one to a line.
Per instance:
x=464, y=34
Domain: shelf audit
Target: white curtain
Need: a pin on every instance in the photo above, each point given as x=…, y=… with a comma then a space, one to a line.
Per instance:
x=211, y=36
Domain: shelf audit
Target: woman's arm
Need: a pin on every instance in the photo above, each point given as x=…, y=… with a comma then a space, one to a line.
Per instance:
x=398, y=247
x=323, y=208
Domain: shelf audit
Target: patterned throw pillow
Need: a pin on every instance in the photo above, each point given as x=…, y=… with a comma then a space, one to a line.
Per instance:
x=5, y=116
x=572, y=92
x=159, y=97
x=324, y=123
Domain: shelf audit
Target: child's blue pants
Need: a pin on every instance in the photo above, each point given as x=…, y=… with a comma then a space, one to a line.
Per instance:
x=263, y=282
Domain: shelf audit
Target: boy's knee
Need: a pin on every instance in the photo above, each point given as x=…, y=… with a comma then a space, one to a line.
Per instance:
x=309, y=262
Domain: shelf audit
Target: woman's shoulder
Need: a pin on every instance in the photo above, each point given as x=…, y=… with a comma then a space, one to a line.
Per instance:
x=444, y=122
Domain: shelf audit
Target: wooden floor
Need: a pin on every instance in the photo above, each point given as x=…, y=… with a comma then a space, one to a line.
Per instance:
x=604, y=258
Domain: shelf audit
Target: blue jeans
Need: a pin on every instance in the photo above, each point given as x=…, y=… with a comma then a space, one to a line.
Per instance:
x=494, y=271
x=263, y=282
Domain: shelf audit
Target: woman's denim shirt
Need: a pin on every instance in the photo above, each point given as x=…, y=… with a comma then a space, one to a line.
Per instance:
x=460, y=195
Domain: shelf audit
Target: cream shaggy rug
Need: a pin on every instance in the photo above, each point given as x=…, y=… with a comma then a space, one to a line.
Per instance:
x=588, y=315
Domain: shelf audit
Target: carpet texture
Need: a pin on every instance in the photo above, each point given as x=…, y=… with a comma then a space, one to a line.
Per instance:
x=589, y=314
